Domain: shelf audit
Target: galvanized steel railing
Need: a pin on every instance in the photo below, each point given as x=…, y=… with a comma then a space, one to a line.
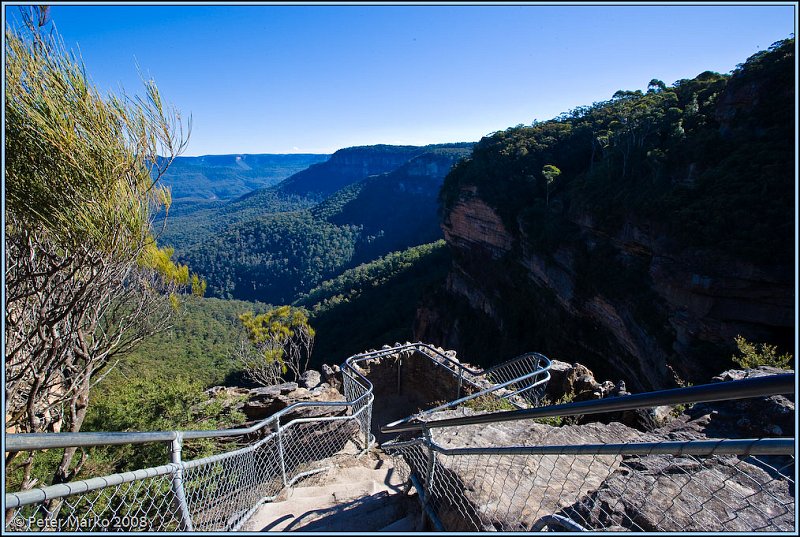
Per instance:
x=213, y=493
x=548, y=477
x=520, y=380
x=222, y=491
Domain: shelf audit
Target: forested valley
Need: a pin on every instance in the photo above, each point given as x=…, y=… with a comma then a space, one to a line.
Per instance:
x=529, y=239
x=356, y=240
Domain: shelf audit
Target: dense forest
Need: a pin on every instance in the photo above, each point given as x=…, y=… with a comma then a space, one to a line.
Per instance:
x=675, y=153
x=378, y=300
x=337, y=257
x=261, y=247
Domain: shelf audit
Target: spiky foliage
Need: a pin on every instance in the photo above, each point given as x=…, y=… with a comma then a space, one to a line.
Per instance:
x=753, y=355
x=85, y=280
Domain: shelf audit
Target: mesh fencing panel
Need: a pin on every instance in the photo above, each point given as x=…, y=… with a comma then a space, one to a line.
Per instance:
x=530, y=388
x=215, y=493
x=144, y=505
x=615, y=492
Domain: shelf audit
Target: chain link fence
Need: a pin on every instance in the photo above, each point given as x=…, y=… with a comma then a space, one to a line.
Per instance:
x=480, y=472
x=525, y=378
x=620, y=487
x=216, y=493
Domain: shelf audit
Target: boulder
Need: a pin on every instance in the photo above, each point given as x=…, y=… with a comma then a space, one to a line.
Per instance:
x=332, y=375
x=266, y=401
x=739, y=374
x=772, y=416
x=310, y=379
x=272, y=391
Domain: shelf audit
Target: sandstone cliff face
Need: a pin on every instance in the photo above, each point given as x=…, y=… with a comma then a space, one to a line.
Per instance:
x=653, y=249
x=688, y=313
x=472, y=224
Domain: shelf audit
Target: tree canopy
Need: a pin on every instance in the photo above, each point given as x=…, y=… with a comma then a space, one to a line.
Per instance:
x=85, y=280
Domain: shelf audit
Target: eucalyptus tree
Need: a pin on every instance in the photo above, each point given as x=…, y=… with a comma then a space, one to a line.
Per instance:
x=279, y=343
x=550, y=174
x=85, y=280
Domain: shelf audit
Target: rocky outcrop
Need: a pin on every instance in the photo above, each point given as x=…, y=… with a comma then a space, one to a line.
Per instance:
x=310, y=379
x=650, y=269
x=756, y=417
x=260, y=403
x=604, y=492
x=576, y=382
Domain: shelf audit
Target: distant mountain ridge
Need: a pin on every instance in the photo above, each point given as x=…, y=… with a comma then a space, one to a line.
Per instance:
x=225, y=177
x=275, y=243
x=351, y=164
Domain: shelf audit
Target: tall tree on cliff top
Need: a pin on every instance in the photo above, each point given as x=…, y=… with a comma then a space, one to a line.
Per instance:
x=85, y=280
x=550, y=174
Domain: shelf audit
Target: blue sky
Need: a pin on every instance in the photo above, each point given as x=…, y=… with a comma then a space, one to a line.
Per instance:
x=287, y=79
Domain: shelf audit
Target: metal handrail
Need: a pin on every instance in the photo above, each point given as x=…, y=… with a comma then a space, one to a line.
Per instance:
x=738, y=389
x=354, y=379
x=18, y=499
x=34, y=441
x=392, y=427
x=728, y=446
x=418, y=346
x=443, y=467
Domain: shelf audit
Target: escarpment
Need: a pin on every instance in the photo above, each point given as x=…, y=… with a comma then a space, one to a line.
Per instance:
x=668, y=233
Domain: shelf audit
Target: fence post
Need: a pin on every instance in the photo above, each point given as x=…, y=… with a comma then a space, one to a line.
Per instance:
x=399, y=365
x=460, y=375
x=177, y=482
x=431, y=464
x=280, y=452
x=367, y=412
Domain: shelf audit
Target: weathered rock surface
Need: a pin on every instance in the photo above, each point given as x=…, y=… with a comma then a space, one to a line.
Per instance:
x=609, y=492
x=666, y=493
x=310, y=379
x=332, y=375
x=755, y=417
x=510, y=493
x=260, y=403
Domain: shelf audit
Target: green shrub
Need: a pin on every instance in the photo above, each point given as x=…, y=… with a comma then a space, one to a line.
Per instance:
x=754, y=355
x=558, y=421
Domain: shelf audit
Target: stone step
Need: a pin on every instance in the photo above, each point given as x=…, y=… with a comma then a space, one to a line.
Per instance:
x=406, y=524
x=388, y=477
x=361, y=495
x=336, y=493
x=369, y=514
x=297, y=513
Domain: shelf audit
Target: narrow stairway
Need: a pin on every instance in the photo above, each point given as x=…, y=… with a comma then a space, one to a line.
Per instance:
x=356, y=495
